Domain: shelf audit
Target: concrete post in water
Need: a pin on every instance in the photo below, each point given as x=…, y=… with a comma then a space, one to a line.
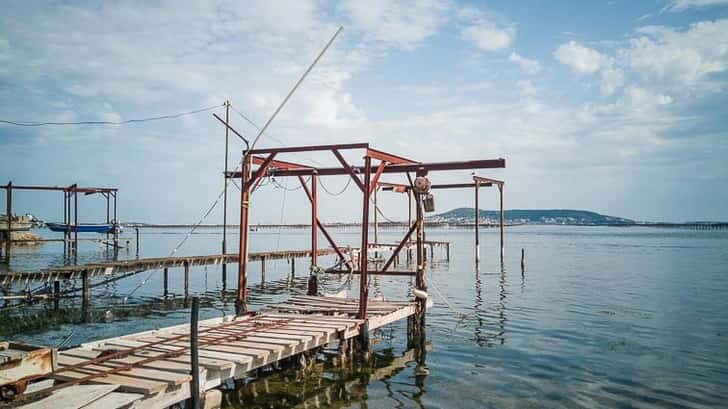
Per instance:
x=194, y=354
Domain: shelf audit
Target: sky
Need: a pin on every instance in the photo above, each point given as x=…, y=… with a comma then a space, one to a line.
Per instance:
x=613, y=106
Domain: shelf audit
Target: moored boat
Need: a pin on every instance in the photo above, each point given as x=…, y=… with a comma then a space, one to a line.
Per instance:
x=84, y=228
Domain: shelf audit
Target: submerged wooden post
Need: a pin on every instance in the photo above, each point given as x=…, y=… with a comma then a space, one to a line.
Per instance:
x=477, y=224
x=194, y=354
x=56, y=293
x=262, y=270
x=187, y=277
x=523, y=260
x=502, y=215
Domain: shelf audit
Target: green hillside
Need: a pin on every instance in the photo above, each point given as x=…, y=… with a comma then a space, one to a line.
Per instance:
x=540, y=216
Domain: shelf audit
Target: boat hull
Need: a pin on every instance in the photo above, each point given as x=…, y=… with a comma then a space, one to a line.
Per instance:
x=82, y=228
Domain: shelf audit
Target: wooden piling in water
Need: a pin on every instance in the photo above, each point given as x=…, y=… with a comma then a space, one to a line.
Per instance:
x=187, y=277
x=166, y=281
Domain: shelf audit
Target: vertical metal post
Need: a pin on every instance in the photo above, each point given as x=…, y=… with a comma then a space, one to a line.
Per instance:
x=116, y=226
x=363, y=259
x=313, y=278
x=65, y=221
x=502, y=216
x=75, y=223
x=477, y=223
x=194, y=354
x=166, y=281
x=242, y=295
x=420, y=274
x=137, y=241
x=409, y=223
x=106, y=195
x=376, y=217
x=9, y=215
x=224, y=202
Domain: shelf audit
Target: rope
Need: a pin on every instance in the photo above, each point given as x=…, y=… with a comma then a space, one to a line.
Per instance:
x=431, y=284
x=124, y=122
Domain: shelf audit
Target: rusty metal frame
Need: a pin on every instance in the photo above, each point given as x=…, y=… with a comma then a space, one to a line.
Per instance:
x=69, y=192
x=366, y=179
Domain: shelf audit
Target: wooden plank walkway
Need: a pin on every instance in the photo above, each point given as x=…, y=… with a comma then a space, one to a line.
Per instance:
x=125, y=266
x=135, y=265
x=152, y=369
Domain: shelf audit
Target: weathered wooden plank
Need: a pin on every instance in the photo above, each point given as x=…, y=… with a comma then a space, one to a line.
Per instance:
x=125, y=383
x=114, y=400
x=72, y=397
x=136, y=372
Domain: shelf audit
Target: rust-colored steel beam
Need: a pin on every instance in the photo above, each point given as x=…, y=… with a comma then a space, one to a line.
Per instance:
x=363, y=256
x=377, y=272
x=418, y=168
x=242, y=291
x=310, y=148
x=279, y=164
x=487, y=181
x=64, y=188
x=375, y=179
x=387, y=157
x=394, y=187
x=348, y=169
x=320, y=225
x=260, y=171
x=404, y=241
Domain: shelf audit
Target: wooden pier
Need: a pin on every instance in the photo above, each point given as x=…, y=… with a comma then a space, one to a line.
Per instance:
x=110, y=268
x=153, y=369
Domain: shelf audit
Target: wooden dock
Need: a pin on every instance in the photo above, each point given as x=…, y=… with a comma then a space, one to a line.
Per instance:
x=152, y=369
x=110, y=268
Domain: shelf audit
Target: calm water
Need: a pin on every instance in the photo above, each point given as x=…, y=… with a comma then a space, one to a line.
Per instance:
x=601, y=317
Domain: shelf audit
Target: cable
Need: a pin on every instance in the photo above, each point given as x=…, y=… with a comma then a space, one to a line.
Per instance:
x=338, y=193
x=128, y=121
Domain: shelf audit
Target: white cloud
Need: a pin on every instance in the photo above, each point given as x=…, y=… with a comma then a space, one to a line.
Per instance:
x=581, y=59
x=585, y=60
x=402, y=24
x=681, y=5
x=527, y=65
x=488, y=36
x=671, y=57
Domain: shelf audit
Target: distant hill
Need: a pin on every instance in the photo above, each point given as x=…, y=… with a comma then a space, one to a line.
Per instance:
x=534, y=216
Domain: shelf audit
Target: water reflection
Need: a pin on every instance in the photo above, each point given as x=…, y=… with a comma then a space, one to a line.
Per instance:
x=329, y=385
x=482, y=315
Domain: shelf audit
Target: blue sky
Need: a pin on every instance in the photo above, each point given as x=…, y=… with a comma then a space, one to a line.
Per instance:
x=613, y=106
